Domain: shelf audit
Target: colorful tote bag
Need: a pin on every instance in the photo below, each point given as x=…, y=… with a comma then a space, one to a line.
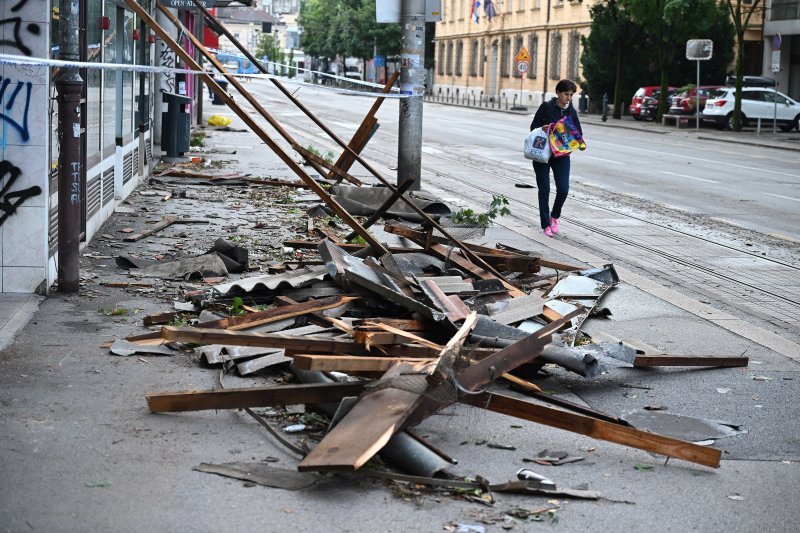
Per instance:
x=565, y=138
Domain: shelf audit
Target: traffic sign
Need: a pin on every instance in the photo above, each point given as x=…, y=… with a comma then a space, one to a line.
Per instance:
x=699, y=49
x=522, y=55
x=776, y=61
x=522, y=67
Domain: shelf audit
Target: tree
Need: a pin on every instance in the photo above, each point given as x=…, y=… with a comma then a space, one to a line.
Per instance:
x=613, y=31
x=668, y=24
x=268, y=46
x=345, y=28
x=740, y=15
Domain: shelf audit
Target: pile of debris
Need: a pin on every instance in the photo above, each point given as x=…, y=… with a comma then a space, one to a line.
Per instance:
x=379, y=344
x=380, y=337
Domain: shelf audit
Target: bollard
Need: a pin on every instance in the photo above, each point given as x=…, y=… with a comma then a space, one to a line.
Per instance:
x=605, y=107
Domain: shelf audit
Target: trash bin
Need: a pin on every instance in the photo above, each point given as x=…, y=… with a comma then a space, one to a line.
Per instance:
x=175, y=125
x=217, y=100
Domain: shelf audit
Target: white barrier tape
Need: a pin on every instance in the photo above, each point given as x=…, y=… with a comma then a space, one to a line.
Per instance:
x=304, y=70
x=10, y=59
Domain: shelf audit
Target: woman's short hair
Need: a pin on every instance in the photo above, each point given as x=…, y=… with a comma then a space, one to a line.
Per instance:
x=564, y=86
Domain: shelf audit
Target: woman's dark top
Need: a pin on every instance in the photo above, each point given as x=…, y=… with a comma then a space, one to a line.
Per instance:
x=550, y=112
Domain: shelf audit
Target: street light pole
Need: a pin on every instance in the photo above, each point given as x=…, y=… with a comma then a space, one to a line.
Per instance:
x=69, y=85
x=412, y=75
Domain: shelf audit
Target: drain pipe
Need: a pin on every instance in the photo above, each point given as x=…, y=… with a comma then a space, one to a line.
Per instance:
x=402, y=450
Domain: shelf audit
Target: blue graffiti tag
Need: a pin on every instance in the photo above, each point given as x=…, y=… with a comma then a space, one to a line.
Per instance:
x=10, y=201
x=5, y=110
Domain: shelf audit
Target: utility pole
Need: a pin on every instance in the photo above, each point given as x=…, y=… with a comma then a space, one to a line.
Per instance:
x=69, y=86
x=412, y=75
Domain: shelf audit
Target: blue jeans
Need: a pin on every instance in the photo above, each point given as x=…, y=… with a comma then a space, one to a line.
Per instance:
x=560, y=166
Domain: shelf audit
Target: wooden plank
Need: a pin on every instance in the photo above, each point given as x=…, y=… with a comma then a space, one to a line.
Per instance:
x=689, y=360
x=292, y=345
x=161, y=318
x=493, y=366
x=598, y=429
x=365, y=129
x=244, y=115
x=442, y=252
x=367, y=427
x=560, y=266
x=200, y=400
x=289, y=311
x=403, y=336
x=348, y=363
x=311, y=156
x=167, y=221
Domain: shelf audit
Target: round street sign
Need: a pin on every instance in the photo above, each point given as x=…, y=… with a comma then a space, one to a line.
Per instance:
x=522, y=67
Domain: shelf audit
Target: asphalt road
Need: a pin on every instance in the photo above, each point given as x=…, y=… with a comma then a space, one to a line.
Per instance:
x=716, y=220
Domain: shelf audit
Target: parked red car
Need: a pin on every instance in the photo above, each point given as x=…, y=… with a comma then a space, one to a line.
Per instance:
x=685, y=102
x=649, y=94
x=635, y=109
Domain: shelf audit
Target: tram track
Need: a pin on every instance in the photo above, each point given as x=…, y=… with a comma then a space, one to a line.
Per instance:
x=682, y=260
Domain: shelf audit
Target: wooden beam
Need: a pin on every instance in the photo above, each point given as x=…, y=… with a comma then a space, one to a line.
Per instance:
x=560, y=266
x=292, y=345
x=245, y=116
x=200, y=400
x=442, y=252
x=281, y=313
x=348, y=363
x=689, y=360
x=166, y=222
x=598, y=429
x=308, y=155
x=401, y=189
x=367, y=427
x=365, y=129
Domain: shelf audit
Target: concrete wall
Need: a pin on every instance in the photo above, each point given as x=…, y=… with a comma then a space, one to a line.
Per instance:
x=24, y=142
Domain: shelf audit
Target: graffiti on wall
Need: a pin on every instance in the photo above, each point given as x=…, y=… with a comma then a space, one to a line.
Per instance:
x=17, y=36
x=166, y=58
x=15, y=104
x=10, y=201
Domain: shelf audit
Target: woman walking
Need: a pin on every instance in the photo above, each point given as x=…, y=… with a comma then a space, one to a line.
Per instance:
x=549, y=112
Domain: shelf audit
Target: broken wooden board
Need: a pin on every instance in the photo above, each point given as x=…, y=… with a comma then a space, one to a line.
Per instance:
x=292, y=344
x=168, y=221
x=201, y=400
x=690, y=360
x=348, y=363
x=367, y=427
x=598, y=429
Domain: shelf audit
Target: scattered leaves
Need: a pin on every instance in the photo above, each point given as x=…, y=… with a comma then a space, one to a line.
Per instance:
x=644, y=468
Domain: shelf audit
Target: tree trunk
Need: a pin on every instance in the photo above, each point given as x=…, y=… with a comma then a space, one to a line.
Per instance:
x=618, y=80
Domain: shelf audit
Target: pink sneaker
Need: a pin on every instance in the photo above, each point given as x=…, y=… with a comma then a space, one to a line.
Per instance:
x=554, y=225
x=548, y=231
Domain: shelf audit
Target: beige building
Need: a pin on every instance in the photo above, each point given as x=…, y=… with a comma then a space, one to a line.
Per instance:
x=477, y=59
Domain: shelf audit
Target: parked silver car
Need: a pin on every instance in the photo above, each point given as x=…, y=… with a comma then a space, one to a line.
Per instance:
x=757, y=103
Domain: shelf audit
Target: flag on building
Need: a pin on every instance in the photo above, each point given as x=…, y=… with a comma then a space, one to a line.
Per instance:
x=474, y=11
x=488, y=8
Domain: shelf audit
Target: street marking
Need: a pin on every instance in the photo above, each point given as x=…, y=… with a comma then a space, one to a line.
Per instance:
x=604, y=160
x=714, y=161
x=784, y=197
x=687, y=176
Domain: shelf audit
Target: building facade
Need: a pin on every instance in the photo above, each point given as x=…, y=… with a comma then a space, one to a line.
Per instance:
x=782, y=35
x=120, y=124
x=475, y=53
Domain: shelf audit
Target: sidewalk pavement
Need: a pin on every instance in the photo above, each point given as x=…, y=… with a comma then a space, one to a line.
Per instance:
x=79, y=450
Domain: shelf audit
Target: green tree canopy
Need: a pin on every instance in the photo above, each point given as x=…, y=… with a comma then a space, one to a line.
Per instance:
x=633, y=43
x=345, y=28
